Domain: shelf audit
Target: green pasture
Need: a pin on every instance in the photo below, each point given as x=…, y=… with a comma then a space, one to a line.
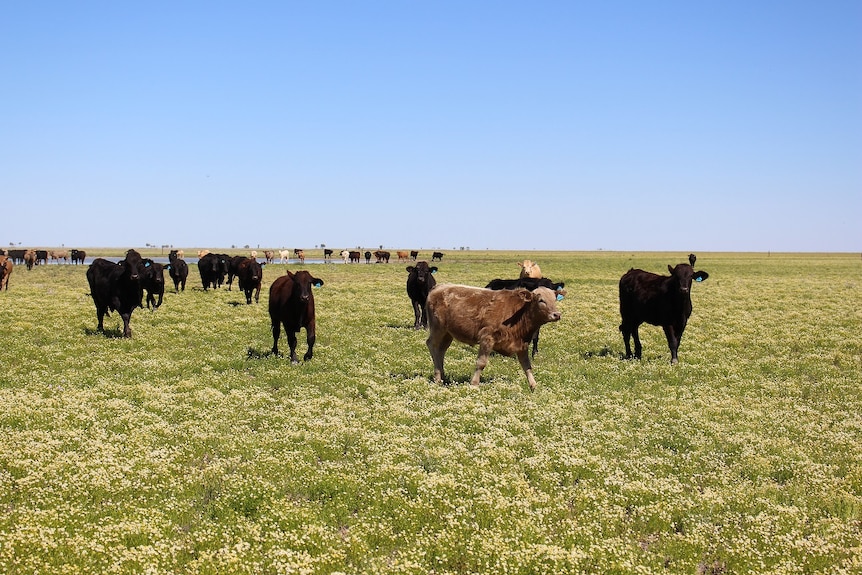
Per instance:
x=190, y=449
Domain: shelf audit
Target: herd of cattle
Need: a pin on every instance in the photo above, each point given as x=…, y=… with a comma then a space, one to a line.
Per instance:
x=504, y=317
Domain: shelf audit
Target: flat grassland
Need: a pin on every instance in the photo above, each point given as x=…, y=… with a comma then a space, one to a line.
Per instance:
x=189, y=449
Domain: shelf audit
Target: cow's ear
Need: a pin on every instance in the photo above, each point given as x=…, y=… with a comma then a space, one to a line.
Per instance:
x=525, y=294
x=670, y=269
x=433, y=269
x=317, y=282
x=410, y=268
x=700, y=276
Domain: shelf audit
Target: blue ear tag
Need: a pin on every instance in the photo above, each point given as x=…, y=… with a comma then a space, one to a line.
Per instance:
x=146, y=265
x=318, y=284
x=559, y=297
x=698, y=279
x=433, y=272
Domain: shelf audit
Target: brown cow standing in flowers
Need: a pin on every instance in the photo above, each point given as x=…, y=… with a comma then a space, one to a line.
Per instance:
x=498, y=321
x=657, y=300
x=291, y=303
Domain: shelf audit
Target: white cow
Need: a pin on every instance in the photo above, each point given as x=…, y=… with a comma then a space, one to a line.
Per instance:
x=285, y=255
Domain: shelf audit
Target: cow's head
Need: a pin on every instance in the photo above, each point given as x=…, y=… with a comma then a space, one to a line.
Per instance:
x=684, y=274
x=544, y=301
x=303, y=282
x=422, y=271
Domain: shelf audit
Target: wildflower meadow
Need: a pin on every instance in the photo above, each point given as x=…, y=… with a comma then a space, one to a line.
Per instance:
x=190, y=449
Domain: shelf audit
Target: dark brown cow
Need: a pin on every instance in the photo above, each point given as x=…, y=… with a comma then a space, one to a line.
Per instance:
x=354, y=256
x=498, y=321
x=658, y=300
x=437, y=257
x=116, y=287
x=6, y=267
x=420, y=281
x=382, y=257
x=414, y=254
x=291, y=303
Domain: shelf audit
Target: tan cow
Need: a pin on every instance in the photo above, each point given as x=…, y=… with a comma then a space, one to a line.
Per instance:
x=530, y=269
x=269, y=256
x=284, y=255
x=30, y=259
x=501, y=321
x=403, y=256
x=6, y=267
x=59, y=255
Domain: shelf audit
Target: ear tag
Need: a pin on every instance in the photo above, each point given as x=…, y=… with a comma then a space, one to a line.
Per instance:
x=559, y=297
x=318, y=284
x=146, y=265
x=698, y=279
x=433, y=272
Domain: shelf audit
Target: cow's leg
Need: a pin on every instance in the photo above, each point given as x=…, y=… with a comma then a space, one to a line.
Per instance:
x=486, y=346
x=626, y=330
x=637, y=339
x=524, y=358
x=127, y=329
x=100, y=314
x=276, y=333
x=535, y=343
x=438, y=342
x=673, y=338
x=257, y=294
x=291, y=341
x=310, y=337
x=419, y=314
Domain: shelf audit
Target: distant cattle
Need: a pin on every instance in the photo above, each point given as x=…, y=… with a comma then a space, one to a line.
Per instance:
x=6, y=267
x=179, y=271
x=664, y=301
x=413, y=255
x=355, y=255
x=30, y=259
x=382, y=256
x=368, y=257
x=16, y=255
x=116, y=287
x=78, y=256
x=327, y=255
x=345, y=255
x=420, y=281
x=530, y=269
x=402, y=256
x=284, y=255
x=437, y=257
x=57, y=255
x=268, y=256
x=201, y=253
x=41, y=257
x=530, y=284
x=300, y=255
x=291, y=304
x=153, y=282
x=250, y=277
x=497, y=321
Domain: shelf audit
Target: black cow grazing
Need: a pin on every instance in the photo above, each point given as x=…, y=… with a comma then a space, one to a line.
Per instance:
x=658, y=300
x=420, y=281
x=414, y=254
x=368, y=257
x=531, y=284
x=250, y=276
x=291, y=303
x=116, y=287
x=178, y=269
x=437, y=257
x=208, y=266
x=153, y=281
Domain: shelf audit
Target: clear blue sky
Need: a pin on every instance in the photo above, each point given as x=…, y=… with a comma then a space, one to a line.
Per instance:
x=571, y=125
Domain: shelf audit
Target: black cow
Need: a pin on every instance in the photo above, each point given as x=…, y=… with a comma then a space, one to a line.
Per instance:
x=250, y=275
x=291, y=303
x=178, y=269
x=531, y=284
x=414, y=254
x=212, y=268
x=233, y=265
x=116, y=287
x=420, y=281
x=41, y=257
x=354, y=256
x=658, y=300
x=327, y=254
x=437, y=257
x=368, y=257
x=153, y=281
x=17, y=255
x=78, y=256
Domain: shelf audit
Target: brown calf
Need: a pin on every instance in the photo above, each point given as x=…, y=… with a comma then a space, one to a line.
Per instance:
x=498, y=321
x=530, y=269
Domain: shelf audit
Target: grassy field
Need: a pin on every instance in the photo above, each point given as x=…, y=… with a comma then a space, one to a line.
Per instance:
x=189, y=449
